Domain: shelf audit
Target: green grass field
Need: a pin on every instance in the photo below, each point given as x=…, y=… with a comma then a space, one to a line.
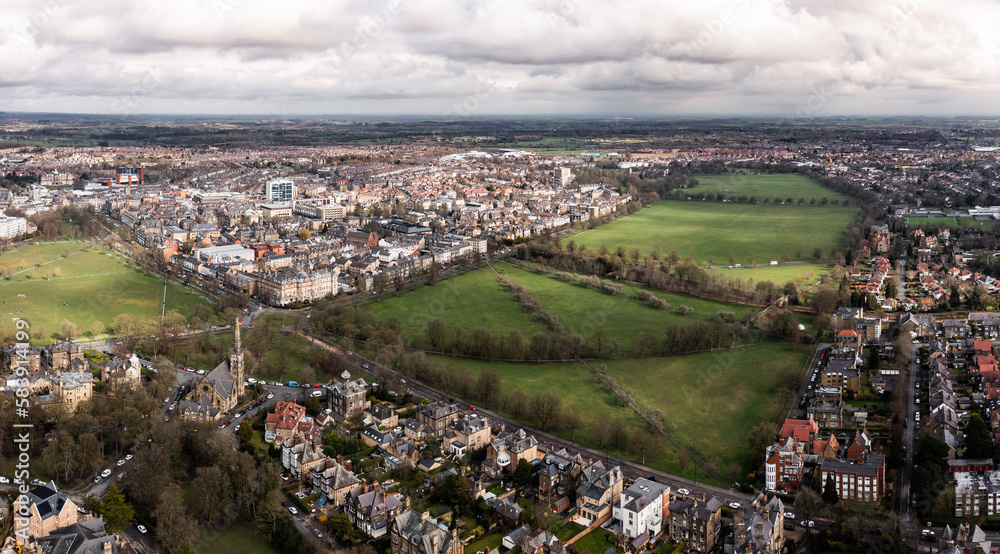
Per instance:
x=803, y=274
x=585, y=310
x=924, y=222
x=238, y=539
x=577, y=387
x=296, y=347
x=765, y=187
x=83, y=288
x=711, y=232
x=712, y=400
x=475, y=299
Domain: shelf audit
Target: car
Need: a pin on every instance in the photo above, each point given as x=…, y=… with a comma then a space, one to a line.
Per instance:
x=286, y=504
x=141, y=528
x=734, y=505
x=317, y=385
x=317, y=393
x=252, y=381
x=201, y=372
x=106, y=473
x=473, y=408
x=285, y=477
x=789, y=515
x=684, y=492
x=270, y=395
x=300, y=494
x=121, y=462
x=364, y=366
x=120, y=475
x=183, y=368
x=4, y=480
x=97, y=479
x=81, y=510
x=292, y=510
x=318, y=533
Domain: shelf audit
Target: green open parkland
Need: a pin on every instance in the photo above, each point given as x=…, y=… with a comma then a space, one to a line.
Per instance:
x=45, y=284
x=711, y=232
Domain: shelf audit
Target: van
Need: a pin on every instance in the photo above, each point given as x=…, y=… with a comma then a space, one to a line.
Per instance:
x=773, y=262
x=293, y=383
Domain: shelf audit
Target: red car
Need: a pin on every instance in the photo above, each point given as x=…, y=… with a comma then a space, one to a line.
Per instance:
x=228, y=421
x=473, y=408
x=316, y=386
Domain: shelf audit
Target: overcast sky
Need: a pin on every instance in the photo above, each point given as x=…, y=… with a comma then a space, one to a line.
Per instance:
x=461, y=58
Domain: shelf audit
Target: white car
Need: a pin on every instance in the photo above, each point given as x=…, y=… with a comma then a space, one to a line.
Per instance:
x=684, y=492
x=121, y=462
x=97, y=479
x=252, y=381
x=105, y=473
x=270, y=395
x=4, y=480
x=129, y=456
x=293, y=510
x=789, y=515
x=141, y=528
x=734, y=505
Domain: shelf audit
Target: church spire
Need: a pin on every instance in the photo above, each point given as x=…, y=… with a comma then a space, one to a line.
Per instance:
x=236, y=358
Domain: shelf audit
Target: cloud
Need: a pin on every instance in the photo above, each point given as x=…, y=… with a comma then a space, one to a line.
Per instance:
x=570, y=56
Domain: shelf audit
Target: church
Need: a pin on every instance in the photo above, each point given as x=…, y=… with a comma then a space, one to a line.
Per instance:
x=218, y=391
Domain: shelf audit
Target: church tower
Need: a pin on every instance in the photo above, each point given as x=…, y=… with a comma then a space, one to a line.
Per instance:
x=236, y=359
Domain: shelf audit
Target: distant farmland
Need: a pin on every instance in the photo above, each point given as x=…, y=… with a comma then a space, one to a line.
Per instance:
x=711, y=232
x=766, y=187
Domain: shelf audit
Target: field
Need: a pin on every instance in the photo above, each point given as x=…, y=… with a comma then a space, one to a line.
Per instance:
x=765, y=187
x=84, y=287
x=711, y=401
x=585, y=310
x=238, y=539
x=925, y=222
x=475, y=299
x=577, y=387
x=803, y=274
x=711, y=232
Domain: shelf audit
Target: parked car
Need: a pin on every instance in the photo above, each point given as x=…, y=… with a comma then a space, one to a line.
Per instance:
x=106, y=473
x=293, y=510
x=121, y=462
x=141, y=528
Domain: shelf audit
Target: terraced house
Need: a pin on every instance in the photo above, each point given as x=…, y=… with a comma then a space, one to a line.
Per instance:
x=699, y=524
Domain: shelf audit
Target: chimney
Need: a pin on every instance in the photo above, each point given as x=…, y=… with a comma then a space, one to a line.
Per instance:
x=424, y=516
x=106, y=548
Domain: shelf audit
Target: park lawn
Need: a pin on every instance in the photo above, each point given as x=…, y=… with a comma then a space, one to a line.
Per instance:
x=578, y=388
x=475, y=299
x=30, y=255
x=937, y=221
x=596, y=541
x=765, y=187
x=81, y=264
x=711, y=232
x=585, y=310
x=711, y=401
x=803, y=274
x=237, y=539
x=85, y=300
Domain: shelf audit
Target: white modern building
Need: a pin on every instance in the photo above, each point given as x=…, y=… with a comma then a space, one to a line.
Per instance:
x=640, y=508
x=280, y=190
x=12, y=227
